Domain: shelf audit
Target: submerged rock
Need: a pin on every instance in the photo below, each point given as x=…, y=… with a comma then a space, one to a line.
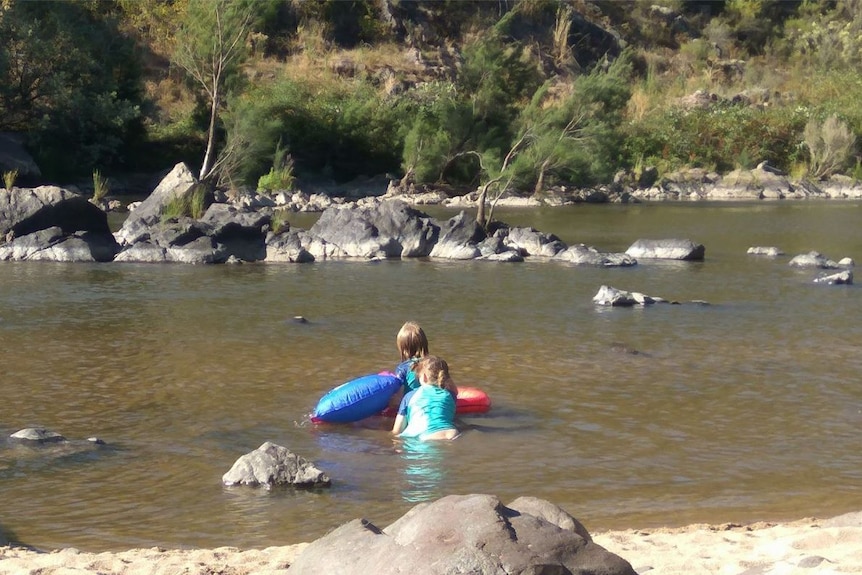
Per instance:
x=38, y=435
x=770, y=251
x=611, y=296
x=841, y=278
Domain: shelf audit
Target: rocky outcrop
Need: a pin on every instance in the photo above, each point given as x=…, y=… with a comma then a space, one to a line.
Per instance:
x=386, y=230
x=463, y=534
x=272, y=465
x=667, y=249
x=51, y=223
x=178, y=184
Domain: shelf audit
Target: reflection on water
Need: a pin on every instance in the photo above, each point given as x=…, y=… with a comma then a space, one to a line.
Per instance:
x=424, y=469
x=745, y=409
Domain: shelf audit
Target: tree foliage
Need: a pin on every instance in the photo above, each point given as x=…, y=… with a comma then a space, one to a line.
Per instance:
x=342, y=133
x=71, y=82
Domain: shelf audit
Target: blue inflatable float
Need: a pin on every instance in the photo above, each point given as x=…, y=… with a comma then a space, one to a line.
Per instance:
x=357, y=399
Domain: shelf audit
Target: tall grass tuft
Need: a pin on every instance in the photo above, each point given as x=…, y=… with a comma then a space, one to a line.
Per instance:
x=9, y=178
x=101, y=186
x=279, y=222
x=191, y=205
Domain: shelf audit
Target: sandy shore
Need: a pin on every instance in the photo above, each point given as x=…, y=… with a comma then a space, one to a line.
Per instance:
x=808, y=546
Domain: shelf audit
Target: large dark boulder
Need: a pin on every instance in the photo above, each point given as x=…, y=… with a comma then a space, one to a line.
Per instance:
x=385, y=229
x=474, y=534
x=242, y=231
x=53, y=224
x=52, y=245
x=27, y=210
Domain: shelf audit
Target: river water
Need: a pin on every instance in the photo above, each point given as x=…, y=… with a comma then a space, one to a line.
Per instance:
x=746, y=409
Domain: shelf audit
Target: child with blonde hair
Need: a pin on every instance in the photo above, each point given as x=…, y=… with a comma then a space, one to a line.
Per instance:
x=428, y=412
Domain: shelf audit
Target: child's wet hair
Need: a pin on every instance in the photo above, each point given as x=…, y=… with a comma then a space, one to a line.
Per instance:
x=411, y=341
x=437, y=371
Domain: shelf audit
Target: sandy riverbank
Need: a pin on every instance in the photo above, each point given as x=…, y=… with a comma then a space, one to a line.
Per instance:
x=808, y=546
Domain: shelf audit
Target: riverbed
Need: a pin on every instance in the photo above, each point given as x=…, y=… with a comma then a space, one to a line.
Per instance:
x=746, y=408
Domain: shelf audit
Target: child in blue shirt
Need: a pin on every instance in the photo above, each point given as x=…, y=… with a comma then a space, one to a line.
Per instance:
x=428, y=412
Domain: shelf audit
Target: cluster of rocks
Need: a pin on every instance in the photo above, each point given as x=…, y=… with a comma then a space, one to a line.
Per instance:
x=50, y=223
x=42, y=436
x=814, y=260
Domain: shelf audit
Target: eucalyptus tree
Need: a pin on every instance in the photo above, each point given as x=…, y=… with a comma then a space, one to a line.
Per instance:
x=211, y=48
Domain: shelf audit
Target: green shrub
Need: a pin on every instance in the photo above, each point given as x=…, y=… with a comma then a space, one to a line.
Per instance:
x=830, y=146
x=347, y=130
x=722, y=137
x=280, y=176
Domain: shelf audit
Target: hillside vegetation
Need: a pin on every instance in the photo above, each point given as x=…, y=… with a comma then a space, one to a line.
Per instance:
x=490, y=95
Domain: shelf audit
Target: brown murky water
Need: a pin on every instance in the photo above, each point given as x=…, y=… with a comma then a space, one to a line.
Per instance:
x=747, y=409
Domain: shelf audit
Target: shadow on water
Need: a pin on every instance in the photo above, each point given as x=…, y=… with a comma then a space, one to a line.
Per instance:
x=8, y=537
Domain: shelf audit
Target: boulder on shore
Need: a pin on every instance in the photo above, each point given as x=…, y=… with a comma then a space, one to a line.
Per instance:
x=463, y=534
